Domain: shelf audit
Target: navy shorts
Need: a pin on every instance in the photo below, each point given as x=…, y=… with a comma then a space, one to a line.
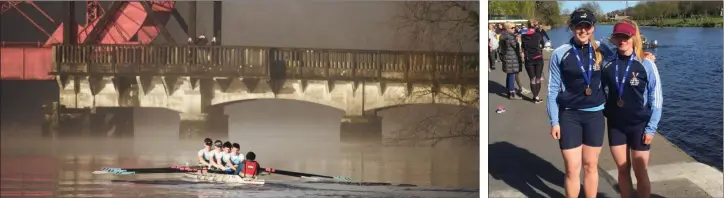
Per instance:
x=628, y=134
x=581, y=127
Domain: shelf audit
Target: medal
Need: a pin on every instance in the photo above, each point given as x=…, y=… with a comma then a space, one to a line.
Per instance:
x=586, y=74
x=620, y=84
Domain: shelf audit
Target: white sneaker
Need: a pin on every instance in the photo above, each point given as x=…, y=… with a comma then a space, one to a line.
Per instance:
x=524, y=91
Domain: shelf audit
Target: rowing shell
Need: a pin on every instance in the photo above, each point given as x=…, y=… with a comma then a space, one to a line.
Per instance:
x=223, y=178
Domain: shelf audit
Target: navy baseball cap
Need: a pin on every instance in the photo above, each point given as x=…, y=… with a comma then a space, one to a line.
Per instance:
x=582, y=15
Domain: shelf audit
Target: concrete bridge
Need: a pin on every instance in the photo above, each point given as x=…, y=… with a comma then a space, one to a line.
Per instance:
x=196, y=80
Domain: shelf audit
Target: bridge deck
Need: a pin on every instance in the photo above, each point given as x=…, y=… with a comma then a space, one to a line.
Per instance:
x=255, y=62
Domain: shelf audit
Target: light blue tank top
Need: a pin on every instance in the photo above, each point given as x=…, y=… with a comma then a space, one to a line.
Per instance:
x=236, y=159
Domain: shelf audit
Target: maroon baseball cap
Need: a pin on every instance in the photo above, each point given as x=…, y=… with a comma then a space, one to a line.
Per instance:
x=624, y=28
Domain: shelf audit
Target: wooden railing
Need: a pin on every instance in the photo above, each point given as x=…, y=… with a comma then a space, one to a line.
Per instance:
x=265, y=62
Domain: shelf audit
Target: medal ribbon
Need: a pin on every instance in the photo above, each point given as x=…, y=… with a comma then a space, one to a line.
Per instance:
x=586, y=75
x=620, y=84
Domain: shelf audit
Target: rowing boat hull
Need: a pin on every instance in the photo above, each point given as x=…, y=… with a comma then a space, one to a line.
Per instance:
x=223, y=178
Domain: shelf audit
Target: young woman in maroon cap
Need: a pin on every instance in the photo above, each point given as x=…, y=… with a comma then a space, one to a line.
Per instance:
x=633, y=106
x=576, y=102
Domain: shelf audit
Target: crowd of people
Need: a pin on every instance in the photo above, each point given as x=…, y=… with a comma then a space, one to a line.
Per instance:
x=518, y=47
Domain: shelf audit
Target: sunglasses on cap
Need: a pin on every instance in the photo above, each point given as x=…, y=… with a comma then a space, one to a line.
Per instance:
x=208, y=143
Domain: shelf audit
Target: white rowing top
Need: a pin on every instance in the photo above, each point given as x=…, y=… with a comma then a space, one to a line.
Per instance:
x=206, y=154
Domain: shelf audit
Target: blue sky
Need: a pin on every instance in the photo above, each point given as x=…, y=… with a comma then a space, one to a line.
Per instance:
x=606, y=6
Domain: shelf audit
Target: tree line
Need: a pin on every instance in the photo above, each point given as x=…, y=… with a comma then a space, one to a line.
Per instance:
x=671, y=9
x=547, y=12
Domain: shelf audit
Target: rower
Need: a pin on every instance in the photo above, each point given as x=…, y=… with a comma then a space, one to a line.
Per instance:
x=225, y=155
x=236, y=157
x=205, y=153
x=249, y=168
x=216, y=155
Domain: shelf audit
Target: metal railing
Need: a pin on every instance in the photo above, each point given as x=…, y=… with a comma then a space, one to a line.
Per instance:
x=265, y=62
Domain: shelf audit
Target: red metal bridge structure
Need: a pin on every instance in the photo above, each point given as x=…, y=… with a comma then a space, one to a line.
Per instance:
x=121, y=22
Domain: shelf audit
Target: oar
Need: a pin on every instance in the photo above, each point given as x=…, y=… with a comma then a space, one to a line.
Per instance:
x=129, y=171
x=298, y=174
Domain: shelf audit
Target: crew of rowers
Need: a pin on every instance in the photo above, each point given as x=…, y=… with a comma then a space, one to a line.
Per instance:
x=227, y=157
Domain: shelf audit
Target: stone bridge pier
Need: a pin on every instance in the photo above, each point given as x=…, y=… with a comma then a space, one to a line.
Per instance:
x=87, y=122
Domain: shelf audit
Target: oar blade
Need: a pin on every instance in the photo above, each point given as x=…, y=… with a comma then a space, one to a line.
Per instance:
x=100, y=172
x=340, y=178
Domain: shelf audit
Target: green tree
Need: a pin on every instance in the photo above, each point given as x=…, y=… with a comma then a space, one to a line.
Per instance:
x=548, y=12
x=593, y=7
x=503, y=8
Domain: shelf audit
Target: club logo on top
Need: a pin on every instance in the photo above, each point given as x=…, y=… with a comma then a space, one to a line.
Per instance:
x=634, y=79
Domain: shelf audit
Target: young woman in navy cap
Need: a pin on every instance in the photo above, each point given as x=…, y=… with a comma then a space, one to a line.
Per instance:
x=576, y=101
x=633, y=106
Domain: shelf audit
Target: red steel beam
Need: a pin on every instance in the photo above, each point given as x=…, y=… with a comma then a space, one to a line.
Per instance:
x=159, y=25
x=31, y=21
x=42, y=12
x=103, y=22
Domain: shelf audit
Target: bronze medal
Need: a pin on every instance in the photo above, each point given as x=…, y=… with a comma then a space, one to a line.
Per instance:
x=588, y=91
x=619, y=103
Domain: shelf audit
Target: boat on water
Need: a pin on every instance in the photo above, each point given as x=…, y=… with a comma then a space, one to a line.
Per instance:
x=203, y=174
x=224, y=178
x=650, y=45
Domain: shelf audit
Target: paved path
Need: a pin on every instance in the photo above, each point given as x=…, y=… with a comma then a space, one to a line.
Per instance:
x=525, y=161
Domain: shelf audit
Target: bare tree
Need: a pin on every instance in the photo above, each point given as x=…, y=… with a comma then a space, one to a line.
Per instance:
x=442, y=26
x=439, y=26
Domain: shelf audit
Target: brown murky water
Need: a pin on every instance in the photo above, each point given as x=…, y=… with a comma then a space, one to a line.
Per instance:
x=62, y=168
x=281, y=133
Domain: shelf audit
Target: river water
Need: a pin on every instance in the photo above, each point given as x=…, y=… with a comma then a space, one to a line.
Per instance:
x=690, y=65
x=281, y=132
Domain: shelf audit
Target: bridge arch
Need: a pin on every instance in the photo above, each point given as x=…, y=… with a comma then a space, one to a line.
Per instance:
x=232, y=102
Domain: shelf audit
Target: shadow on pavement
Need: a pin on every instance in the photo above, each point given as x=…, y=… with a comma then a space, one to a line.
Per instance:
x=497, y=88
x=525, y=171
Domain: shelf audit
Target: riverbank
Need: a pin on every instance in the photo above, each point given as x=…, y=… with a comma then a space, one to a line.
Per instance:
x=526, y=162
x=677, y=22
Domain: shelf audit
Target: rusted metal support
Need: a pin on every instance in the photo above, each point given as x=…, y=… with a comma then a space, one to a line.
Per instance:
x=217, y=21
x=91, y=11
x=159, y=25
x=70, y=27
x=192, y=20
x=93, y=36
x=6, y=5
x=180, y=19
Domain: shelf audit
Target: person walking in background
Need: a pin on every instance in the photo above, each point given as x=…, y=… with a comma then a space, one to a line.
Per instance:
x=511, y=58
x=633, y=107
x=493, y=46
x=521, y=90
x=535, y=25
x=532, y=42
